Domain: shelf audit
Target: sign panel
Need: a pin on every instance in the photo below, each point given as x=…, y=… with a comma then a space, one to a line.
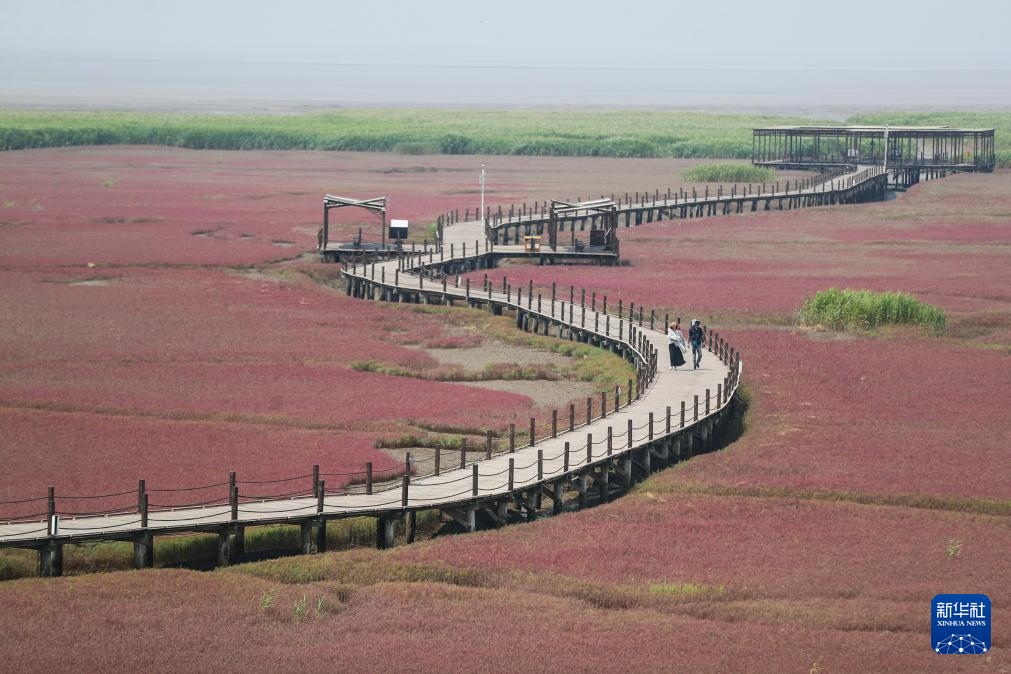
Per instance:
x=398, y=229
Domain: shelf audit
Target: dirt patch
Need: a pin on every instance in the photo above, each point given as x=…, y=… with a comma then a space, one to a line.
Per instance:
x=477, y=358
x=90, y=282
x=829, y=335
x=255, y=275
x=543, y=393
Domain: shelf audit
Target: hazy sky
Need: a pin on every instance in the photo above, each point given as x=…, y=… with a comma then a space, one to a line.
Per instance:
x=661, y=33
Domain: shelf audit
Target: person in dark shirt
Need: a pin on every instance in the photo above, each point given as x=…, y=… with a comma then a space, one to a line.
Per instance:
x=696, y=338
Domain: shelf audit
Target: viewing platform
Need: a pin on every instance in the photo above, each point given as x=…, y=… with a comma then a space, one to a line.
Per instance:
x=936, y=149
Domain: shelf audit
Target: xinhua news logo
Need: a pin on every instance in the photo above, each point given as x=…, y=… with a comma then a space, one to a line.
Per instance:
x=961, y=624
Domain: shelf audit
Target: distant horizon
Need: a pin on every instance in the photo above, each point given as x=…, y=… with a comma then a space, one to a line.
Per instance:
x=231, y=85
x=490, y=66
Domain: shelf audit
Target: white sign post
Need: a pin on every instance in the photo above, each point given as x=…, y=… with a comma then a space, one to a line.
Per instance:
x=481, y=212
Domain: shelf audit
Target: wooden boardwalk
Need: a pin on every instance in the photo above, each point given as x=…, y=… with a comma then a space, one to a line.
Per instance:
x=673, y=415
x=863, y=184
x=662, y=417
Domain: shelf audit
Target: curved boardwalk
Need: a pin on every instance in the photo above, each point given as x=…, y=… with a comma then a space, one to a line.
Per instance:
x=662, y=417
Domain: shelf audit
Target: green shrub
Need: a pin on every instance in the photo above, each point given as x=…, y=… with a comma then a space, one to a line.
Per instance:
x=13, y=567
x=728, y=173
x=852, y=309
x=685, y=589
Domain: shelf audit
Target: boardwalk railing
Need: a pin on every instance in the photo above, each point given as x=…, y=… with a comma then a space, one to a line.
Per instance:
x=506, y=226
x=660, y=419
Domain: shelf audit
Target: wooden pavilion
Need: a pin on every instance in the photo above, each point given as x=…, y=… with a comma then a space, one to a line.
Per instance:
x=897, y=148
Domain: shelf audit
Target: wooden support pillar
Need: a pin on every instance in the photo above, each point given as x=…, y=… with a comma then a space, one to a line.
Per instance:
x=556, y=500
x=531, y=504
x=411, y=526
x=384, y=532
x=143, y=551
x=224, y=547
x=237, y=548
x=51, y=559
x=626, y=470
x=305, y=537
x=321, y=535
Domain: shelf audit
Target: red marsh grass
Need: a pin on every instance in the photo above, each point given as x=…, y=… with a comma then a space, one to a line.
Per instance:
x=202, y=622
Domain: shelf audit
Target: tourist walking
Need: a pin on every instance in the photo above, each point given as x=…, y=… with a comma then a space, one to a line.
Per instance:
x=676, y=345
x=696, y=337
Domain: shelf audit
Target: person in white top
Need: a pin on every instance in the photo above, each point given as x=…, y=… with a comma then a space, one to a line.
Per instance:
x=676, y=345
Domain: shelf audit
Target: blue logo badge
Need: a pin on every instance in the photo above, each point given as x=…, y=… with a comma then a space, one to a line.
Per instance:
x=960, y=624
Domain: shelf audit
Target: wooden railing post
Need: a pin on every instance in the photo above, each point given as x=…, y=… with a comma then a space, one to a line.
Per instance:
x=368, y=477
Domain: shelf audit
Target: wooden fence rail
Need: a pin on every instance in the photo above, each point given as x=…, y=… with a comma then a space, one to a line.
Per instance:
x=651, y=425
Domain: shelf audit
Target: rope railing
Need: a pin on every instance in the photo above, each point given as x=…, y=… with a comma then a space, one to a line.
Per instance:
x=637, y=345
x=576, y=458
x=521, y=216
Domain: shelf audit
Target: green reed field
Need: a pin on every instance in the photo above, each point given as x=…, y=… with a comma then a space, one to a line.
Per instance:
x=616, y=133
